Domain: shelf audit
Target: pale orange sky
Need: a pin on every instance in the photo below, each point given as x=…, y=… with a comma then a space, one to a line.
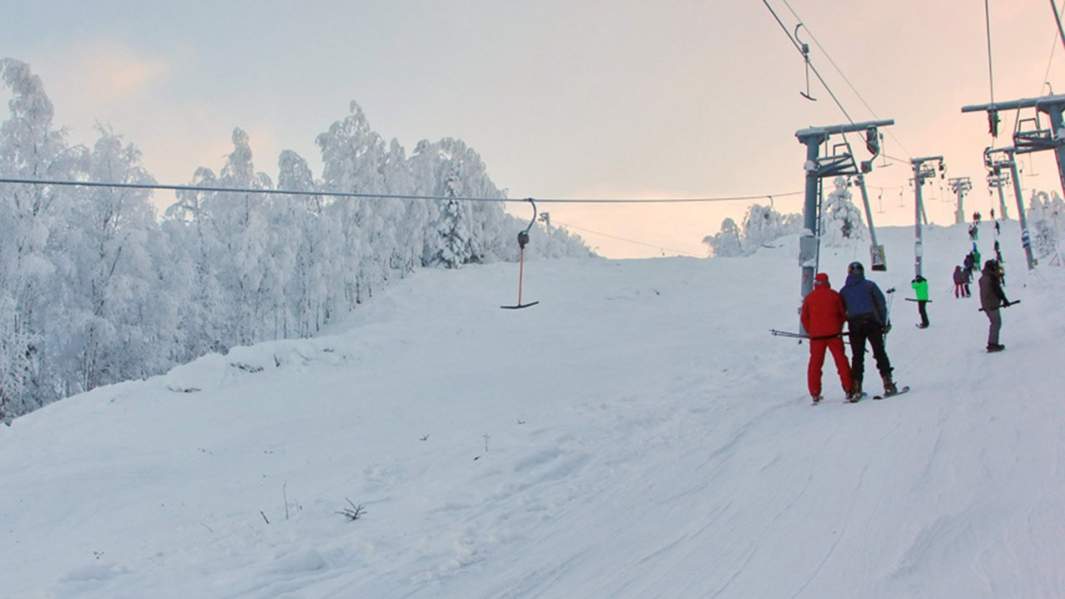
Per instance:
x=561, y=98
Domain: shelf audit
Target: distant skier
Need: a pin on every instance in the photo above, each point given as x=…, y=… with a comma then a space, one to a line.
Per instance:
x=991, y=299
x=969, y=265
x=867, y=318
x=960, y=285
x=822, y=317
x=920, y=289
x=976, y=256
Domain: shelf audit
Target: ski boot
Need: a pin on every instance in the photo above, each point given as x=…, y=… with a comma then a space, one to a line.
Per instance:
x=889, y=387
x=855, y=393
x=816, y=399
x=995, y=348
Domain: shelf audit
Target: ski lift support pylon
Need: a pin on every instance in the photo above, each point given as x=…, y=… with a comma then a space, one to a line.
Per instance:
x=840, y=163
x=921, y=173
x=523, y=240
x=997, y=159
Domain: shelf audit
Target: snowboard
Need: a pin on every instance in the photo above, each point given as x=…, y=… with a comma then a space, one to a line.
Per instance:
x=903, y=389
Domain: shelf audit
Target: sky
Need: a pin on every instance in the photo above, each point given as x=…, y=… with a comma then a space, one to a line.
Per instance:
x=675, y=98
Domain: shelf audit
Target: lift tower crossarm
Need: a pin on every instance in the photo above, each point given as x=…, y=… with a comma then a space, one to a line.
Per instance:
x=1036, y=139
x=845, y=128
x=1042, y=103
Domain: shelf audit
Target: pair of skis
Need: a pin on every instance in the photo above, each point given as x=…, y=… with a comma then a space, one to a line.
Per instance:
x=901, y=390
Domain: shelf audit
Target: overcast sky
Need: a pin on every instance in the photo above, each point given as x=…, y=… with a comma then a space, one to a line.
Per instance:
x=560, y=97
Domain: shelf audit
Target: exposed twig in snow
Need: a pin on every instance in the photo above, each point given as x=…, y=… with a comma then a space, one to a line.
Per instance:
x=354, y=512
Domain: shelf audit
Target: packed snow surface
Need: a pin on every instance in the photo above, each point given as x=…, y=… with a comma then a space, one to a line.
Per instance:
x=637, y=434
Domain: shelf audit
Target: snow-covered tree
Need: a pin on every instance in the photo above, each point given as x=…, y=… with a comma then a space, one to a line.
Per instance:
x=95, y=289
x=725, y=243
x=841, y=221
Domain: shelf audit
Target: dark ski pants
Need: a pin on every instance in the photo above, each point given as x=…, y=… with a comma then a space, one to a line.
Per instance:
x=860, y=330
x=817, y=362
x=959, y=290
x=995, y=317
x=923, y=312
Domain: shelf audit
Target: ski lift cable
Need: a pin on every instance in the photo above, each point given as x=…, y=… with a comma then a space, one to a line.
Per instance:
x=990, y=71
x=798, y=48
x=1050, y=59
x=842, y=74
x=633, y=241
x=392, y=196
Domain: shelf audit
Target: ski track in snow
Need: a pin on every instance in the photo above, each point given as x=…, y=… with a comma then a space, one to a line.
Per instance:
x=638, y=434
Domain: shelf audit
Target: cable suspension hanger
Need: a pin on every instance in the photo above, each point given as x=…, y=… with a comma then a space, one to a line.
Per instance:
x=388, y=196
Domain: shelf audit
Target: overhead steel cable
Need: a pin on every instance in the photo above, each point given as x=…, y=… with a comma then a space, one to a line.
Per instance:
x=625, y=239
x=842, y=74
x=1050, y=59
x=798, y=48
x=391, y=196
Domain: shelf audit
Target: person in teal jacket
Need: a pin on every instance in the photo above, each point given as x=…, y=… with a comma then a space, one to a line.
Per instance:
x=920, y=288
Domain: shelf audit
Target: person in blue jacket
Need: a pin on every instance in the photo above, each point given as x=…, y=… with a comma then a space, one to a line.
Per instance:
x=867, y=318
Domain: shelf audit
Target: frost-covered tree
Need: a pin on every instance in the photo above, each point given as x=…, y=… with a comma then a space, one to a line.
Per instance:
x=761, y=225
x=95, y=289
x=764, y=224
x=726, y=242
x=841, y=221
x=1045, y=215
x=32, y=220
x=111, y=326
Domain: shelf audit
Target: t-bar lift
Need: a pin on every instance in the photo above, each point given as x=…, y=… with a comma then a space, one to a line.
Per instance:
x=840, y=163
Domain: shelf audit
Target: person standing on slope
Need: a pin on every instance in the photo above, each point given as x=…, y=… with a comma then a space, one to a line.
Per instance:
x=822, y=318
x=992, y=297
x=920, y=289
x=959, y=283
x=867, y=318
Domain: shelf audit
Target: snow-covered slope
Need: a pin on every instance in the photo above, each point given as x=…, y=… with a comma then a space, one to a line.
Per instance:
x=638, y=434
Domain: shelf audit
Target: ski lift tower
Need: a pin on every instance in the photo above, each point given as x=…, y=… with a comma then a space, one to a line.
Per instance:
x=998, y=180
x=997, y=159
x=841, y=162
x=960, y=186
x=921, y=173
x=1029, y=136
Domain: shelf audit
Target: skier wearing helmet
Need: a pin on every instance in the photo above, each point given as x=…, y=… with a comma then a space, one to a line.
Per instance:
x=867, y=318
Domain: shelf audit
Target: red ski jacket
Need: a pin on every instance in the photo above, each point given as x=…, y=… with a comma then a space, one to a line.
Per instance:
x=823, y=314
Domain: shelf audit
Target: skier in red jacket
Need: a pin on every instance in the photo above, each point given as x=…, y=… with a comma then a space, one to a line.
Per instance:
x=823, y=316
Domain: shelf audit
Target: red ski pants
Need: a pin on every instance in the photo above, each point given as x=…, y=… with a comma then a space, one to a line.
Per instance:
x=817, y=361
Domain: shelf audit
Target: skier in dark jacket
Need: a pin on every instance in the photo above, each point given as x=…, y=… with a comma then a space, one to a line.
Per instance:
x=992, y=297
x=822, y=318
x=959, y=283
x=867, y=318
